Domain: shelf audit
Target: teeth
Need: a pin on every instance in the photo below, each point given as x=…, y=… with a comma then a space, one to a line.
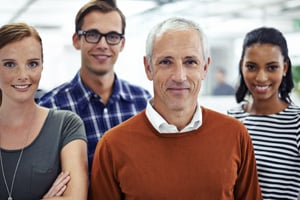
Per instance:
x=261, y=87
x=101, y=57
x=21, y=86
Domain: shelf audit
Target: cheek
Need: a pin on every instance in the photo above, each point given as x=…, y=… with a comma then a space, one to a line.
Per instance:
x=5, y=77
x=279, y=78
x=159, y=79
x=1, y=81
x=194, y=80
x=37, y=78
x=196, y=77
x=247, y=79
x=247, y=76
x=36, y=75
x=86, y=48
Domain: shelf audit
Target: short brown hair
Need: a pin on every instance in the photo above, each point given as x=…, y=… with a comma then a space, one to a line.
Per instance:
x=104, y=6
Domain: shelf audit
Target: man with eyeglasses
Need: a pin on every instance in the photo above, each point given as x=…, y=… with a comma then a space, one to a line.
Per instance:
x=96, y=94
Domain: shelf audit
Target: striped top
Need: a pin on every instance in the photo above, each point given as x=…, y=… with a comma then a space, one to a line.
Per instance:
x=276, y=139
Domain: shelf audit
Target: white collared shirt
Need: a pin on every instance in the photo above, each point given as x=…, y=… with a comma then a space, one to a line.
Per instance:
x=162, y=126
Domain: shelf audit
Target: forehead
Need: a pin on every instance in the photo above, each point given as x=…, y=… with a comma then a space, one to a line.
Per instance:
x=99, y=20
x=178, y=43
x=263, y=51
x=27, y=45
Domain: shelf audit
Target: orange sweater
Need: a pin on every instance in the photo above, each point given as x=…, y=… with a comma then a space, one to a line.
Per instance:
x=216, y=161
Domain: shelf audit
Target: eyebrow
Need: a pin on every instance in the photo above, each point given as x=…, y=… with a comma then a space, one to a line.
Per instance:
x=8, y=59
x=272, y=62
x=34, y=59
x=12, y=59
x=194, y=57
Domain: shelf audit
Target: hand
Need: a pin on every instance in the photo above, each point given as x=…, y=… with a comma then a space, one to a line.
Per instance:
x=59, y=186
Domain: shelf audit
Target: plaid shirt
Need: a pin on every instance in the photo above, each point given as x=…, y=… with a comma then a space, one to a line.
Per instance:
x=125, y=101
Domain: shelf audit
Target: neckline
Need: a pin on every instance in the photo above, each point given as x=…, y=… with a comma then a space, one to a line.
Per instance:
x=252, y=114
x=12, y=151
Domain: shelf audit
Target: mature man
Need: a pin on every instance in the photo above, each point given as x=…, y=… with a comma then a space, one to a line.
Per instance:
x=176, y=149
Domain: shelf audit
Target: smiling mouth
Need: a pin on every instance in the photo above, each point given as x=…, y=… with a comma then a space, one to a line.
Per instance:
x=21, y=86
x=178, y=90
x=261, y=88
x=101, y=56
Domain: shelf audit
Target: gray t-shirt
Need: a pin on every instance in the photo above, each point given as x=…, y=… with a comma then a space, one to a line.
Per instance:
x=40, y=163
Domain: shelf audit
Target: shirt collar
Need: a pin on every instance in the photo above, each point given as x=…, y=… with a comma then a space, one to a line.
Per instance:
x=119, y=90
x=162, y=126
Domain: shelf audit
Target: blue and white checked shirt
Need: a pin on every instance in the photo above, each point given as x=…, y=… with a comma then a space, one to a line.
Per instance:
x=125, y=101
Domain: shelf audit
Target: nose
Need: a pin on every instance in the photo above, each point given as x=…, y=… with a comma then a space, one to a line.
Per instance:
x=179, y=74
x=261, y=76
x=102, y=42
x=22, y=73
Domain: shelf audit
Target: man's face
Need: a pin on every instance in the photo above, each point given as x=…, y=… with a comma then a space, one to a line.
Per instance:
x=99, y=59
x=178, y=68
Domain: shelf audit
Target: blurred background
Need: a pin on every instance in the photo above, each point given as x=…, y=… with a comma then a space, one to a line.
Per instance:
x=224, y=21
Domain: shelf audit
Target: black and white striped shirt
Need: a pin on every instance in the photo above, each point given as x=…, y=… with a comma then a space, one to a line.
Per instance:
x=276, y=140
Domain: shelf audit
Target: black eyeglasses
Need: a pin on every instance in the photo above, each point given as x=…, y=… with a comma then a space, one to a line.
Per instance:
x=94, y=36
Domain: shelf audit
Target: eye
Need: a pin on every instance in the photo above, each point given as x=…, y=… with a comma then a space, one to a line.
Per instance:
x=92, y=34
x=165, y=62
x=250, y=67
x=9, y=64
x=33, y=64
x=191, y=62
x=272, y=67
x=113, y=36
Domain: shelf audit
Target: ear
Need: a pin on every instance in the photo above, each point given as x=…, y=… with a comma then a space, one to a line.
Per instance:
x=148, y=69
x=285, y=68
x=205, y=69
x=76, y=41
x=122, y=44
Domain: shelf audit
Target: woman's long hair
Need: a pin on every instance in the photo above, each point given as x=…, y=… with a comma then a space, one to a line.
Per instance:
x=265, y=35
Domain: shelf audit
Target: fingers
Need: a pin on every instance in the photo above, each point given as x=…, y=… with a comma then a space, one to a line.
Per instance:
x=62, y=179
x=61, y=191
x=59, y=185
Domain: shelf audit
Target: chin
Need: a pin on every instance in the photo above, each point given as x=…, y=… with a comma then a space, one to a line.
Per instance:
x=179, y=107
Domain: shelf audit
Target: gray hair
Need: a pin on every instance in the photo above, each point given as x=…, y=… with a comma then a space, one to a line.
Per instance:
x=175, y=23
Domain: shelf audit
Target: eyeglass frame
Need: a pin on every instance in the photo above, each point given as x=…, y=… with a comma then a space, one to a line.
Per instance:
x=83, y=33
